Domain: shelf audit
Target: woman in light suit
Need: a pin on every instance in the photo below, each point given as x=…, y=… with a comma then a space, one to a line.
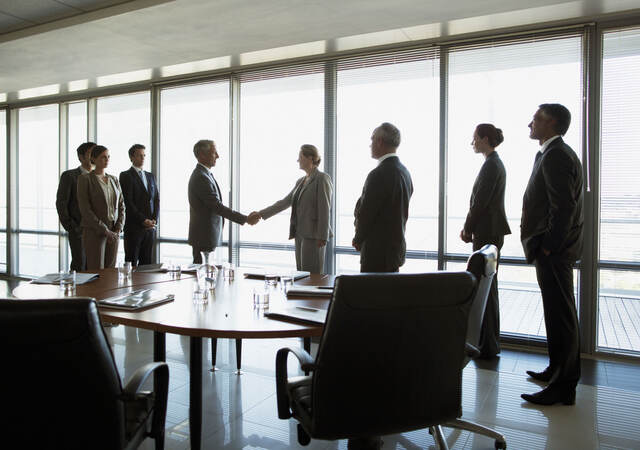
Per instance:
x=310, y=202
x=102, y=208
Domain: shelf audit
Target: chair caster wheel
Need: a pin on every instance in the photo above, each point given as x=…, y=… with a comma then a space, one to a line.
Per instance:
x=500, y=445
x=303, y=437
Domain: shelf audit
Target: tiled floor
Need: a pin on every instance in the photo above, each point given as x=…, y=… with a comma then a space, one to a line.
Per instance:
x=240, y=411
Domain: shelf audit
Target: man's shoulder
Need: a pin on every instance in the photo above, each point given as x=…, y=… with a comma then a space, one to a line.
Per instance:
x=71, y=173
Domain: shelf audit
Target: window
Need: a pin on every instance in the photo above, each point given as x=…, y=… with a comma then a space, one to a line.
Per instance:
x=77, y=131
x=38, y=177
x=277, y=116
x=124, y=120
x=619, y=310
x=188, y=114
x=3, y=191
x=503, y=84
x=402, y=90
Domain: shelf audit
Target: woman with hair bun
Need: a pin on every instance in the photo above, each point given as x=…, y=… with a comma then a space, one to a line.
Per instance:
x=486, y=223
x=310, y=202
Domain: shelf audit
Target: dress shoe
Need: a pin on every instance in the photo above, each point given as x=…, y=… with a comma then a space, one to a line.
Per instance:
x=368, y=443
x=551, y=396
x=545, y=375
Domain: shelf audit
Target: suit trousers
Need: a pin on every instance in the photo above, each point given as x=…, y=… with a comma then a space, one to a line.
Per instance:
x=138, y=246
x=100, y=253
x=555, y=277
x=78, y=258
x=309, y=257
x=489, y=344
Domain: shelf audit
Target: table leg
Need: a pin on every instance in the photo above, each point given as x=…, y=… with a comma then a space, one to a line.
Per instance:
x=214, y=353
x=238, y=356
x=195, y=392
x=159, y=355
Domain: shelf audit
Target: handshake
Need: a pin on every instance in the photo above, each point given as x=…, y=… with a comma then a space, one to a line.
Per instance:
x=253, y=218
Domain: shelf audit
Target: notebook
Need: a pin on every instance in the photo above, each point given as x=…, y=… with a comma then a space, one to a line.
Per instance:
x=260, y=273
x=150, y=268
x=54, y=278
x=310, y=291
x=298, y=314
x=135, y=300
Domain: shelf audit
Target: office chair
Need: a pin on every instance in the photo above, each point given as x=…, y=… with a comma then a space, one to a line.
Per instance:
x=390, y=358
x=59, y=384
x=482, y=264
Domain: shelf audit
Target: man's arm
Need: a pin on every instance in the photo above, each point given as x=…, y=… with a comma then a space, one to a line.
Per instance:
x=156, y=200
x=126, y=184
x=205, y=190
x=372, y=200
x=558, y=172
x=63, y=197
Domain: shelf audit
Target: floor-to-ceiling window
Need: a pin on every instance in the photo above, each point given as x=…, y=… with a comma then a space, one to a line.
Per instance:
x=619, y=259
x=278, y=113
x=402, y=89
x=38, y=172
x=503, y=83
x=3, y=190
x=187, y=115
x=76, y=131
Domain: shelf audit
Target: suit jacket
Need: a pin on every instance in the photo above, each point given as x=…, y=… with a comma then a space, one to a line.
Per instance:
x=312, y=210
x=206, y=211
x=93, y=204
x=67, y=201
x=552, y=215
x=141, y=203
x=381, y=215
x=486, y=217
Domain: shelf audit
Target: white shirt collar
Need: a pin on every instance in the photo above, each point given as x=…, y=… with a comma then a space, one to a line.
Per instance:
x=548, y=142
x=137, y=169
x=387, y=156
x=208, y=170
x=83, y=170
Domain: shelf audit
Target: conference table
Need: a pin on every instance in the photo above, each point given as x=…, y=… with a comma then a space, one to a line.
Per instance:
x=229, y=313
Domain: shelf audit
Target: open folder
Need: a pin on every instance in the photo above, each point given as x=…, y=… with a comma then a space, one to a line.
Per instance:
x=298, y=314
x=260, y=273
x=310, y=291
x=139, y=299
x=54, y=278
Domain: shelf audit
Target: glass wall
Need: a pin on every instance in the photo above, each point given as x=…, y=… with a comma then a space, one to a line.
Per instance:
x=188, y=114
x=3, y=191
x=277, y=116
x=619, y=299
x=77, y=131
x=405, y=94
x=124, y=120
x=38, y=132
x=503, y=85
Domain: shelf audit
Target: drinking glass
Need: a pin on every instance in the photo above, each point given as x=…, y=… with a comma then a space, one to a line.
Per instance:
x=68, y=282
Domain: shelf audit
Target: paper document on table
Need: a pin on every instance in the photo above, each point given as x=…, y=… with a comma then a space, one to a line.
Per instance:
x=299, y=314
x=139, y=299
x=150, y=268
x=260, y=272
x=310, y=291
x=54, y=278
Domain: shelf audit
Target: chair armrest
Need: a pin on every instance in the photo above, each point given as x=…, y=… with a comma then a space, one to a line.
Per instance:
x=282, y=376
x=471, y=351
x=160, y=389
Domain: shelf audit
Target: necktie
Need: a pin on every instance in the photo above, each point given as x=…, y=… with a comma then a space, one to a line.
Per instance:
x=143, y=178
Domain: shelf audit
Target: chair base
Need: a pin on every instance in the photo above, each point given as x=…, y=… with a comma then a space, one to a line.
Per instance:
x=461, y=424
x=438, y=436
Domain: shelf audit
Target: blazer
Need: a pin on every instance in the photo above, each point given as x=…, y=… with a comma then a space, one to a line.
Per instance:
x=486, y=217
x=312, y=210
x=141, y=203
x=67, y=201
x=552, y=214
x=206, y=211
x=381, y=215
x=93, y=205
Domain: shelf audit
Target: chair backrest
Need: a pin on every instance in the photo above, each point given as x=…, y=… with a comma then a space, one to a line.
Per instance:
x=483, y=265
x=390, y=357
x=59, y=384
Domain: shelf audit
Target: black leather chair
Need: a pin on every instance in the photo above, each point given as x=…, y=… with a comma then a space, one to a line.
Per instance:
x=59, y=384
x=483, y=264
x=390, y=358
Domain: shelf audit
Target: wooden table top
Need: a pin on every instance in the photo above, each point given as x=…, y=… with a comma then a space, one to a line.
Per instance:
x=229, y=312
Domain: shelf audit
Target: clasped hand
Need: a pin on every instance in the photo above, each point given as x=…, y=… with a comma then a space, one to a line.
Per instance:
x=253, y=218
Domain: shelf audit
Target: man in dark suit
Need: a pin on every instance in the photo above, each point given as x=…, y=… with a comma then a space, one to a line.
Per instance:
x=67, y=205
x=551, y=234
x=206, y=211
x=142, y=202
x=383, y=208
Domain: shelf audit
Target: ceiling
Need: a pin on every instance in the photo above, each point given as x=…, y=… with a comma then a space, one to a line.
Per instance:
x=58, y=46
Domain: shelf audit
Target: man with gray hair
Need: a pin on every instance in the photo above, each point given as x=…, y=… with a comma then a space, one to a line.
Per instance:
x=206, y=211
x=383, y=208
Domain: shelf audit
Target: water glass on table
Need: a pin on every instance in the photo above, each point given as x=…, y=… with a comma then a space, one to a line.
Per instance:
x=68, y=282
x=286, y=281
x=124, y=271
x=261, y=296
x=200, y=293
